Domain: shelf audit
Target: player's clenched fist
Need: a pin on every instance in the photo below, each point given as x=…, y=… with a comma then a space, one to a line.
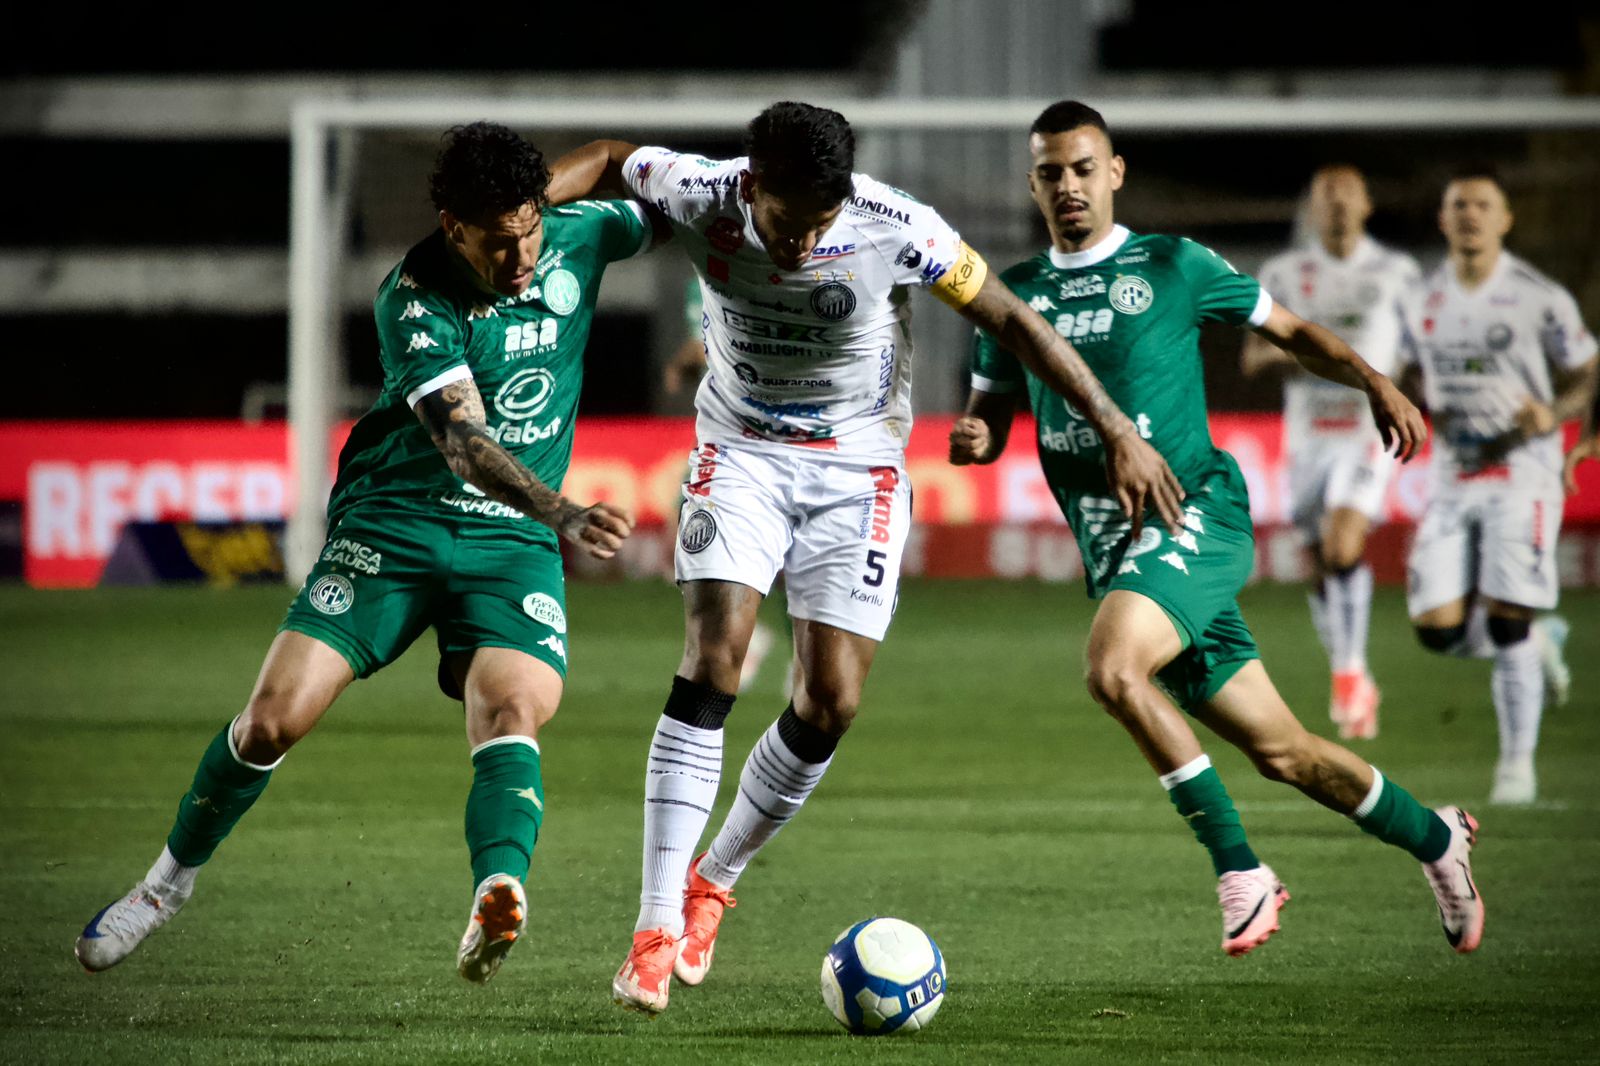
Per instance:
x=598, y=529
x=969, y=441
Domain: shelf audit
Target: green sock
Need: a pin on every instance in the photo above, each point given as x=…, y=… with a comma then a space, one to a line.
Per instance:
x=1391, y=814
x=224, y=788
x=1208, y=809
x=504, y=808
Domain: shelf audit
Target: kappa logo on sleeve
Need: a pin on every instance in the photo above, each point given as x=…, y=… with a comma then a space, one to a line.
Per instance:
x=421, y=342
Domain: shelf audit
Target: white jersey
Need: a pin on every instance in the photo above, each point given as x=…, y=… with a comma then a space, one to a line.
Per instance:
x=1483, y=352
x=1361, y=300
x=819, y=356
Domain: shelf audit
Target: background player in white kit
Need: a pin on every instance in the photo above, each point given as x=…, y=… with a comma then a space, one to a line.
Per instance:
x=1505, y=360
x=802, y=423
x=1339, y=470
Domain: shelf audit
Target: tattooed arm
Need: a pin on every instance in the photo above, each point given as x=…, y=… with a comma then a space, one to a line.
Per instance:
x=454, y=416
x=1137, y=474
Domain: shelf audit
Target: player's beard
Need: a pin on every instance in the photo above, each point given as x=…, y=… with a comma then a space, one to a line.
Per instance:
x=1074, y=229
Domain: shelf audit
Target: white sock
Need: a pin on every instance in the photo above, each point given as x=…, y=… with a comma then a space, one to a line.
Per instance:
x=1349, y=604
x=1518, y=685
x=1476, y=644
x=1319, y=620
x=774, y=784
x=171, y=873
x=680, y=787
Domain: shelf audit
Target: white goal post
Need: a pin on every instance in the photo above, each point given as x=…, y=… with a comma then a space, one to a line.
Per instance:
x=323, y=133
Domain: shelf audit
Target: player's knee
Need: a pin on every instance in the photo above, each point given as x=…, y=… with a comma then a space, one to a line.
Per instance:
x=1111, y=681
x=1339, y=557
x=1441, y=638
x=513, y=714
x=830, y=704
x=1288, y=761
x=266, y=730
x=714, y=662
x=1508, y=631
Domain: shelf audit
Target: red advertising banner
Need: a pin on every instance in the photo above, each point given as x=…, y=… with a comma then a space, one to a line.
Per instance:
x=79, y=482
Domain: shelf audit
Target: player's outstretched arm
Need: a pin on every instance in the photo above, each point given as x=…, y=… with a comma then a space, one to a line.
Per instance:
x=593, y=171
x=1325, y=355
x=1258, y=356
x=980, y=435
x=454, y=416
x=1137, y=474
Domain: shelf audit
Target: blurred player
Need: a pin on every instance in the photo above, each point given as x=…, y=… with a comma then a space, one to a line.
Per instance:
x=803, y=419
x=1168, y=627
x=446, y=513
x=1338, y=467
x=1504, y=360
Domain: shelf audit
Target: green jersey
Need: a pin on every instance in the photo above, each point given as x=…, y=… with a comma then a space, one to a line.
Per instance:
x=1132, y=306
x=525, y=354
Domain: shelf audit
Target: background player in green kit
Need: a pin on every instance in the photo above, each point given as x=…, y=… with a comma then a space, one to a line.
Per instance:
x=1168, y=628
x=446, y=512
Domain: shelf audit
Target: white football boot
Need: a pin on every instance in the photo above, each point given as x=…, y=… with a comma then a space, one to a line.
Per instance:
x=1460, y=905
x=1515, y=783
x=123, y=924
x=499, y=916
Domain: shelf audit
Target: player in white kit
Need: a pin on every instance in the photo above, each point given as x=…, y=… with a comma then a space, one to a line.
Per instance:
x=1505, y=360
x=1339, y=470
x=806, y=270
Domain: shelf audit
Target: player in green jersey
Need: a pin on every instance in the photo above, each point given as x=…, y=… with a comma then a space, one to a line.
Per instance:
x=447, y=512
x=1168, y=628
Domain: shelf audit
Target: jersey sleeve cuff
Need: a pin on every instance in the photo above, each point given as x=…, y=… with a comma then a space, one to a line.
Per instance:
x=1263, y=308
x=437, y=382
x=983, y=384
x=646, y=230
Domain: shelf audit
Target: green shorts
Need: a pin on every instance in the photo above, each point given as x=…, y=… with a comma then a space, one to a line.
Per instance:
x=385, y=576
x=1196, y=578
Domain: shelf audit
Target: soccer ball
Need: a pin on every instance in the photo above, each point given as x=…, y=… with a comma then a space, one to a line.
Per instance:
x=883, y=975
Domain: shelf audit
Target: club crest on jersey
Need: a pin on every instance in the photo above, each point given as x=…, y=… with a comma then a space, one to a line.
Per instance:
x=1498, y=338
x=543, y=608
x=834, y=301
x=562, y=292
x=332, y=594
x=525, y=393
x=726, y=235
x=1131, y=295
x=699, y=530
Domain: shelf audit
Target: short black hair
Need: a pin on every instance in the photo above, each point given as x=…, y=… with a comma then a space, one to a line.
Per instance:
x=484, y=171
x=799, y=150
x=1064, y=115
x=1476, y=169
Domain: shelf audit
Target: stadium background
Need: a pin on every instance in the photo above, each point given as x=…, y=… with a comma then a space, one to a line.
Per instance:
x=144, y=293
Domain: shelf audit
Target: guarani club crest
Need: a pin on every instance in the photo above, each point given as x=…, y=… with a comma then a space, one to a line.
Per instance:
x=332, y=594
x=1131, y=295
x=561, y=291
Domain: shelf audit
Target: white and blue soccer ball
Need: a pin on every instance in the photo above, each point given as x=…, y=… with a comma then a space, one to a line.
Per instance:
x=882, y=976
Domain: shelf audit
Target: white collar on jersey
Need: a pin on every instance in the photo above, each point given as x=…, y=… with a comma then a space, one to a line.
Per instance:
x=1496, y=272
x=1090, y=256
x=1364, y=247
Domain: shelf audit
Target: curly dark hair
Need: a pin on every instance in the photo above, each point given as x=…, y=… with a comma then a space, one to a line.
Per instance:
x=802, y=151
x=485, y=170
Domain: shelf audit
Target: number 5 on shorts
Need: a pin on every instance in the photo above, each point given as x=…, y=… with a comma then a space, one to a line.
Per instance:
x=874, y=574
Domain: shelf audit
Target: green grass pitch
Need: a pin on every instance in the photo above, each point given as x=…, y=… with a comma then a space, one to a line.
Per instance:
x=980, y=795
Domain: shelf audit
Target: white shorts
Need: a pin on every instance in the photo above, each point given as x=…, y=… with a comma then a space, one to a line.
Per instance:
x=1327, y=475
x=835, y=528
x=1499, y=542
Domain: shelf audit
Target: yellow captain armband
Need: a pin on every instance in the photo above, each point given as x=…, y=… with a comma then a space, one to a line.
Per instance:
x=958, y=285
